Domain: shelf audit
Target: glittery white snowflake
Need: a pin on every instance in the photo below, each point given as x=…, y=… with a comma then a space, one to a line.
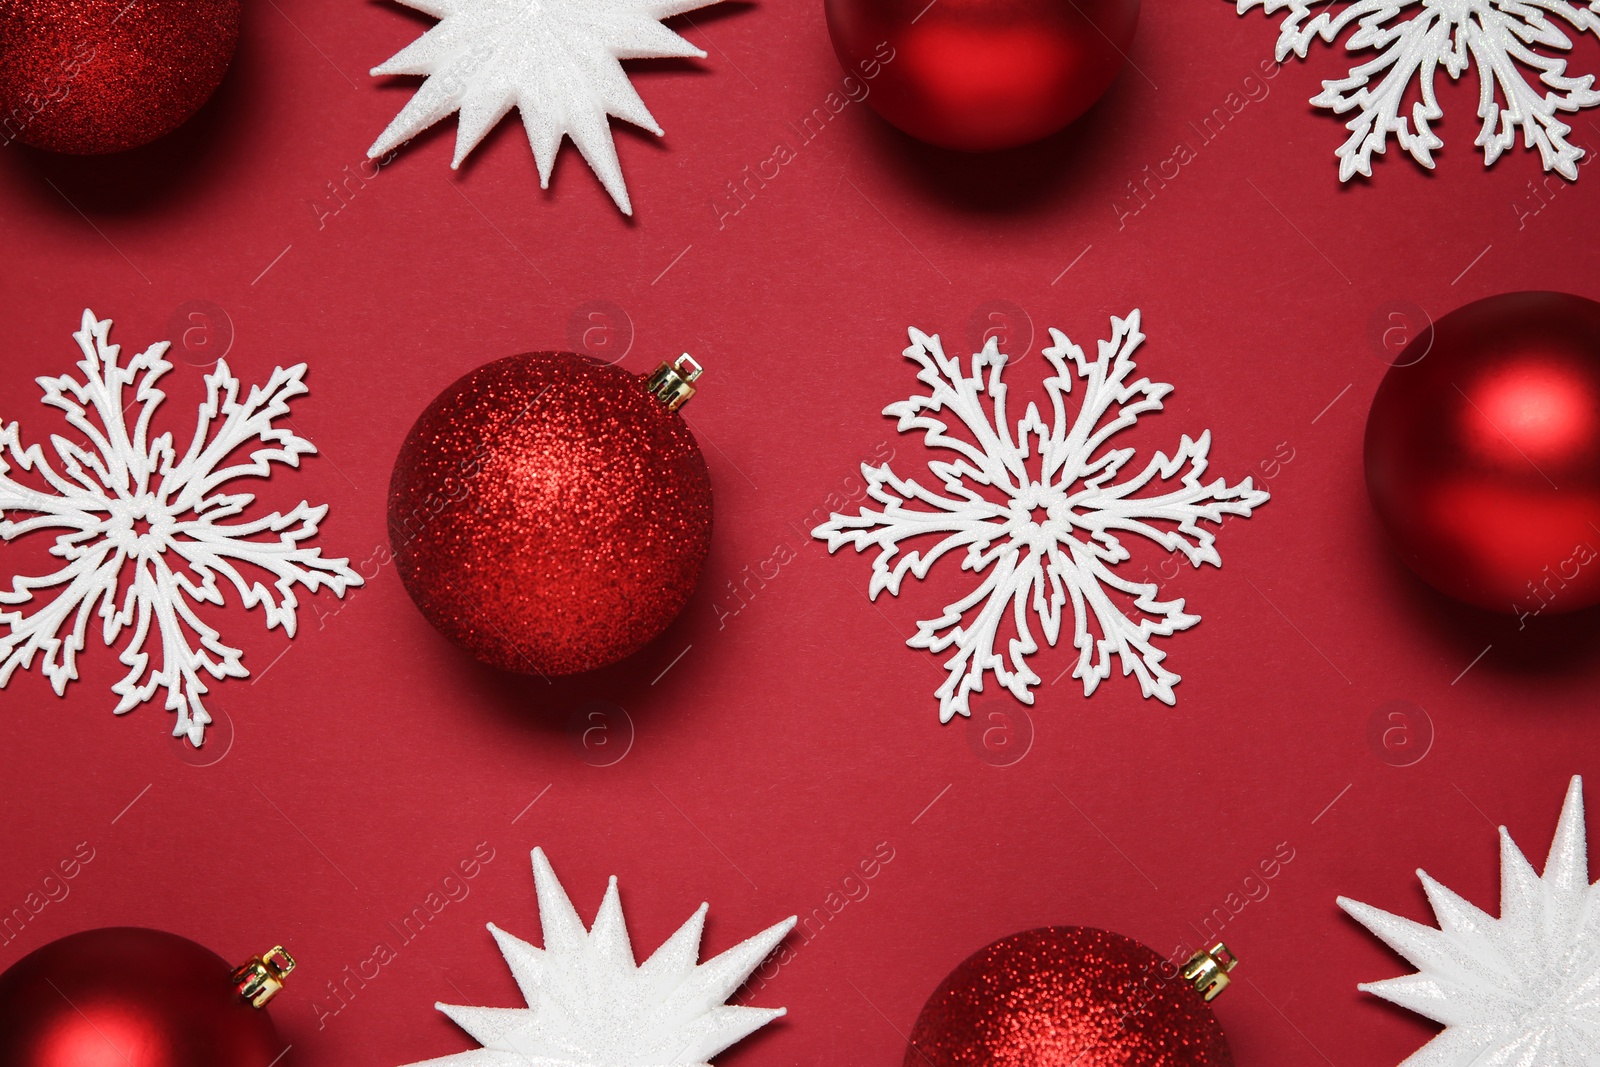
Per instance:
x=144, y=531
x=1522, y=990
x=1410, y=40
x=556, y=61
x=1044, y=519
x=590, y=1005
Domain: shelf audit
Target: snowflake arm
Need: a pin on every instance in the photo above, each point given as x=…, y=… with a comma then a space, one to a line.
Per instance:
x=94, y=406
x=1118, y=508
x=1123, y=639
x=211, y=549
x=141, y=531
x=1410, y=40
x=1500, y=46
x=189, y=650
x=992, y=459
x=88, y=578
x=189, y=483
x=975, y=653
x=884, y=529
x=67, y=507
x=1038, y=512
x=1110, y=402
x=1301, y=28
x=1412, y=52
x=557, y=61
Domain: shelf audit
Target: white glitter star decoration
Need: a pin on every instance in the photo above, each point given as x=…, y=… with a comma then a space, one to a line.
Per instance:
x=1402, y=43
x=1041, y=514
x=1522, y=990
x=556, y=61
x=144, y=531
x=590, y=1005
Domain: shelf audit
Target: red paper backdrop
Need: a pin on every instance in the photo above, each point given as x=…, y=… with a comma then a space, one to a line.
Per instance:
x=775, y=748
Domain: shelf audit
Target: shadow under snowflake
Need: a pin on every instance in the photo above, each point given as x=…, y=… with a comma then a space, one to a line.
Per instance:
x=1040, y=513
x=143, y=531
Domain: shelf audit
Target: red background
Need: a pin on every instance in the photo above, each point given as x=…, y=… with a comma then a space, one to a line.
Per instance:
x=369, y=757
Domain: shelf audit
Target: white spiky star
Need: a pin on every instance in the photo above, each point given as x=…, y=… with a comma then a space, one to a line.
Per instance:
x=590, y=1005
x=555, y=61
x=1522, y=990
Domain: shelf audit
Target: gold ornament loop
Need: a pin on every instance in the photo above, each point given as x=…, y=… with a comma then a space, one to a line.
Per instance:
x=1207, y=970
x=671, y=382
x=260, y=978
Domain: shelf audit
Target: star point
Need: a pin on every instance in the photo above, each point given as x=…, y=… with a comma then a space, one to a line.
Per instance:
x=591, y=1005
x=558, y=62
x=1503, y=987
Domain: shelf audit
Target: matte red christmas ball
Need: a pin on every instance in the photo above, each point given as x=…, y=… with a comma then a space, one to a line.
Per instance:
x=126, y=997
x=93, y=76
x=979, y=75
x=1483, y=453
x=550, y=513
x=1072, y=996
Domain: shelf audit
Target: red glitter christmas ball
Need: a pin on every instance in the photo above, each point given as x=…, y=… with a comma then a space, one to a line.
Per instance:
x=93, y=76
x=1483, y=453
x=549, y=513
x=1067, y=996
x=978, y=75
x=129, y=998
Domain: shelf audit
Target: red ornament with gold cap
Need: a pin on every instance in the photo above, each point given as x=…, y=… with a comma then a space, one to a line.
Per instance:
x=550, y=513
x=1073, y=996
x=130, y=997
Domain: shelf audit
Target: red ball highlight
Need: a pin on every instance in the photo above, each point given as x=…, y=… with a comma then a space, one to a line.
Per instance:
x=1483, y=456
x=980, y=75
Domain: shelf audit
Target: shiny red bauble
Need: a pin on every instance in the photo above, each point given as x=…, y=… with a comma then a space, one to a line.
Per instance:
x=126, y=997
x=1483, y=453
x=978, y=75
x=93, y=76
x=549, y=514
x=1066, y=996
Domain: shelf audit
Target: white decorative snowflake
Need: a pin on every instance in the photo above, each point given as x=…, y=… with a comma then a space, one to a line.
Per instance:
x=590, y=1005
x=1412, y=39
x=1043, y=519
x=143, y=531
x=1522, y=990
x=556, y=61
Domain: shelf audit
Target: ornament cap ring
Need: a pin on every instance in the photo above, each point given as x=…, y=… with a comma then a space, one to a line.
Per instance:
x=260, y=978
x=671, y=383
x=1207, y=970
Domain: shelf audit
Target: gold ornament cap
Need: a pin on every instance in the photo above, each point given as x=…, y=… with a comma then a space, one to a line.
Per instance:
x=1207, y=970
x=672, y=382
x=260, y=978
